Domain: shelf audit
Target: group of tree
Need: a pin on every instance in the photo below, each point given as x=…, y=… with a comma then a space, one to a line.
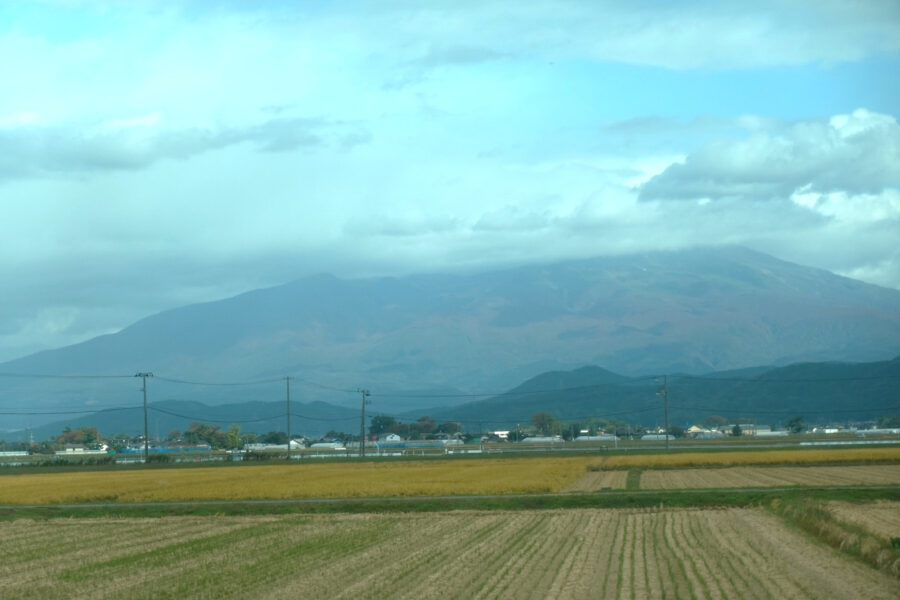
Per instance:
x=85, y=435
x=420, y=429
x=213, y=435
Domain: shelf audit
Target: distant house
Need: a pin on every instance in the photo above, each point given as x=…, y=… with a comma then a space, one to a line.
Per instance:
x=336, y=445
x=698, y=432
x=543, y=439
x=390, y=437
x=600, y=437
x=295, y=445
x=79, y=450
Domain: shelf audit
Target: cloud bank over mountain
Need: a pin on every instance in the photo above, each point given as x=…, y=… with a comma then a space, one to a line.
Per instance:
x=156, y=154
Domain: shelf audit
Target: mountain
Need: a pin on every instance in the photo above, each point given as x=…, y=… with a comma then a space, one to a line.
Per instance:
x=819, y=392
x=693, y=311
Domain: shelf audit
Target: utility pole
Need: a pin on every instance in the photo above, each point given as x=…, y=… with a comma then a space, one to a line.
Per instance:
x=362, y=424
x=665, y=395
x=144, y=375
x=287, y=381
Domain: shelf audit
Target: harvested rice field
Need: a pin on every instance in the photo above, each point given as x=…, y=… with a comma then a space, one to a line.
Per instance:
x=879, y=518
x=590, y=553
x=594, y=481
x=743, y=477
x=784, y=457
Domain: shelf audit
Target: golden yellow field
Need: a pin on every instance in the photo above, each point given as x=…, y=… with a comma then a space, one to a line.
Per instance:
x=321, y=480
x=767, y=457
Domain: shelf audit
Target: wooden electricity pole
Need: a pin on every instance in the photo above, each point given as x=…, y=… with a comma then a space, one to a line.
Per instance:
x=362, y=424
x=144, y=376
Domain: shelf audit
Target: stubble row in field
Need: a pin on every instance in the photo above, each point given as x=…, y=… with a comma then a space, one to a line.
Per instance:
x=880, y=518
x=745, y=477
x=798, y=456
x=729, y=553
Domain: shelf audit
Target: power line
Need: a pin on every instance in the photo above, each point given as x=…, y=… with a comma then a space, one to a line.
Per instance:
x=817, y=410
x=190, y=418
x=49, y=376
x=218, y=383
x=67, y=412
x=308, y=418
x=761, y=379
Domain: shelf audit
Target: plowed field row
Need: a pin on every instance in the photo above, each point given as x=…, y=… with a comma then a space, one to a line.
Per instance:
x=741, y=477
x=729, y=553
x=881, y=518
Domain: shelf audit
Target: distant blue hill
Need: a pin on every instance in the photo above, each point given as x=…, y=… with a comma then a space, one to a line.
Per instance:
x=818, y=392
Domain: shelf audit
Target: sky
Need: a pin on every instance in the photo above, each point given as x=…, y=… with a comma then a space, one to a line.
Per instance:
x=158, y=153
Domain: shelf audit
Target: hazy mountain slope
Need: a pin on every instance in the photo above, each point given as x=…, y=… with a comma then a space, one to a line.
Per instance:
x=692, y=311
x=819, y=392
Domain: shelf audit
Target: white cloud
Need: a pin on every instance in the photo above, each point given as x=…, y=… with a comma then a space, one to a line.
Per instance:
x=156, y=154
x=138, y=142
x=857, y=153
x=673, y=35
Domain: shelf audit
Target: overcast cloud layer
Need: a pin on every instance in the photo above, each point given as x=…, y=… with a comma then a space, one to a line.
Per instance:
x=154, y=154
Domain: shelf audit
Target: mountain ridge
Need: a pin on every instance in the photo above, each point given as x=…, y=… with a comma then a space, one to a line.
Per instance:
x=819, y=392
x=693, y=311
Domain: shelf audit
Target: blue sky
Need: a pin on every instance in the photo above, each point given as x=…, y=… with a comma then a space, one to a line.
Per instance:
x=154, y=154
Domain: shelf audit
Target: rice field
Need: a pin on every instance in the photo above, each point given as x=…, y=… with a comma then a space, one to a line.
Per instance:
x=761, y=457
x=746, y=477
x=881, y=519
x=594, y=481
x=589, y=553
x=320, y=480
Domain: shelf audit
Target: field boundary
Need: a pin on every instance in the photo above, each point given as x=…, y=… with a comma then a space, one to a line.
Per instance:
x=812, y=517
x=694, y=498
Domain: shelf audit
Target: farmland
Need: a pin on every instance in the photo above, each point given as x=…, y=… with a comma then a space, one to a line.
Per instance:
x=743, y=477
x=529, y=554
x=329, y=480
x=470, y=476
x=660, y=543
x=797, y=456
x=881, y=518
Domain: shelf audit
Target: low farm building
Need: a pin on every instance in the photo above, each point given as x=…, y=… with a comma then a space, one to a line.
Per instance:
x=597, y=438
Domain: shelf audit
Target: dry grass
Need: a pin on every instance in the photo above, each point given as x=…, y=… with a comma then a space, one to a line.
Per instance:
x=594, y=481
x=764, y=457
x=331, y=480
x=879, y=518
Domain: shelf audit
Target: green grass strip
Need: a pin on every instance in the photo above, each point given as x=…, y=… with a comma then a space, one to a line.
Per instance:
x=606, y=499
